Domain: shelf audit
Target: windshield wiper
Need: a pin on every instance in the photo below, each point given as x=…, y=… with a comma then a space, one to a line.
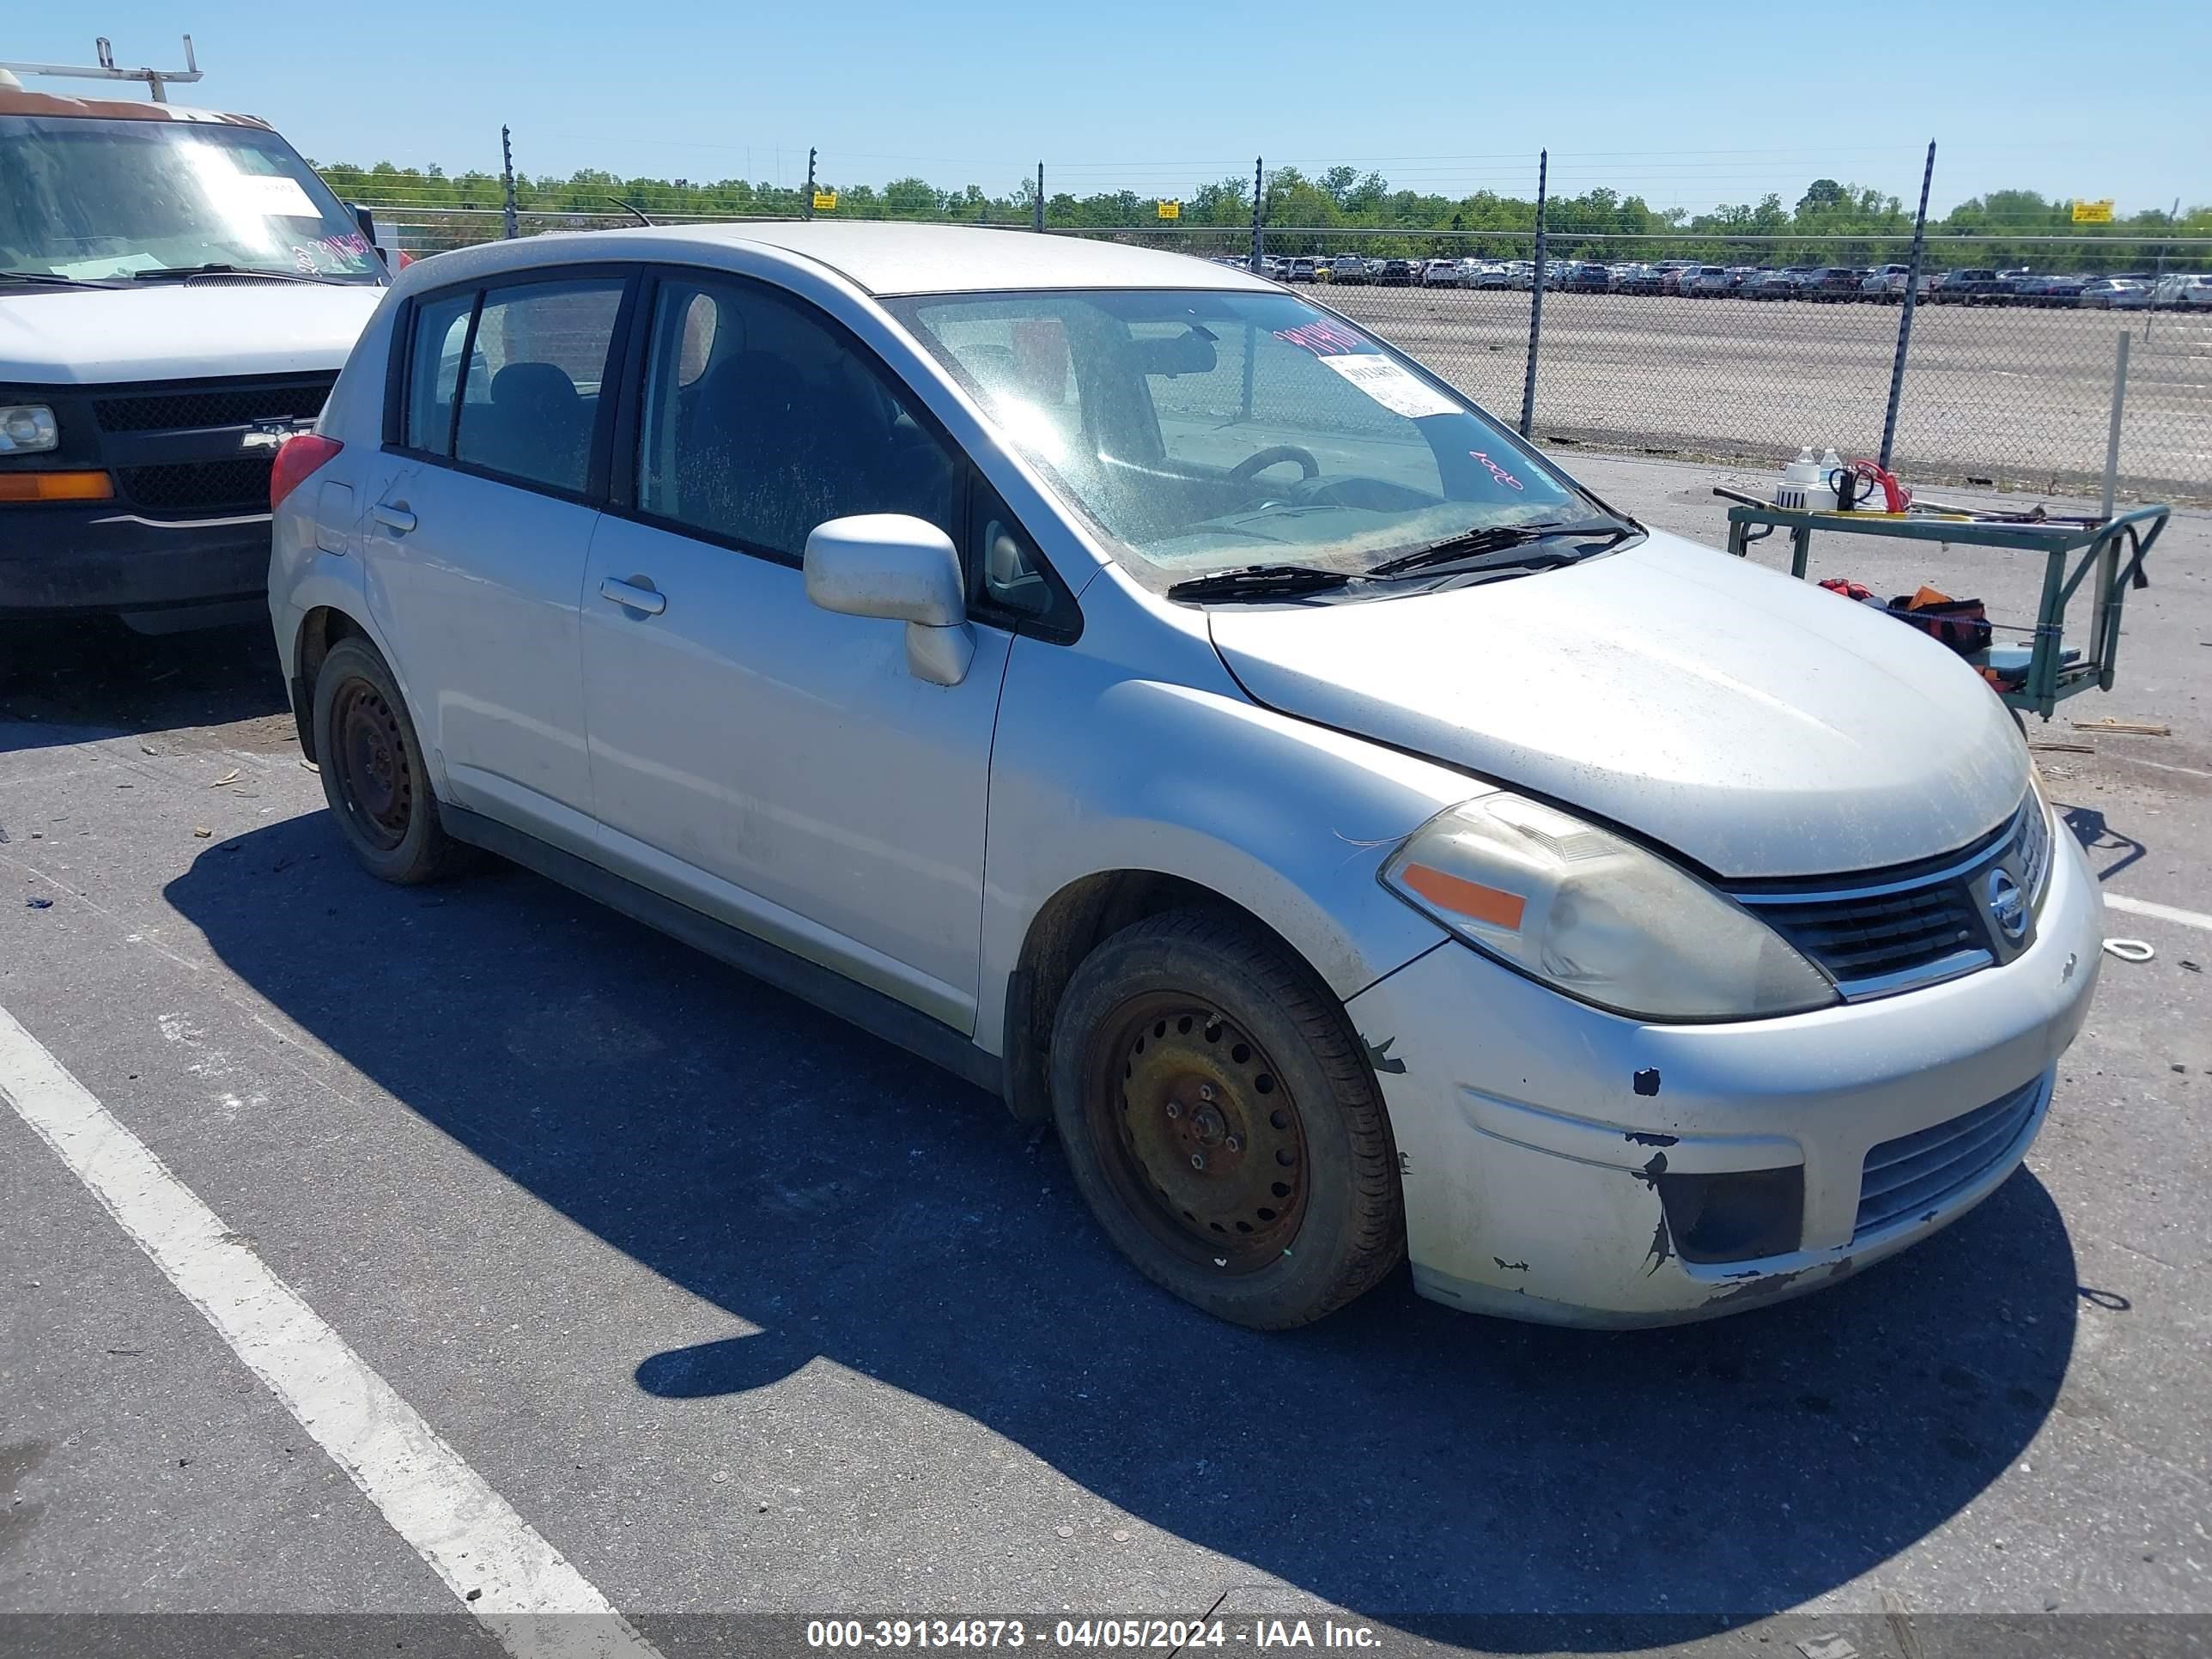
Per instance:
x=1499, y=538
x=1260, y=581
x=45, y=279
x=185, y=273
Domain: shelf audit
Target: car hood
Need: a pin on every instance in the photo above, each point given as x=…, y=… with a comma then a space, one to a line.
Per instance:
x=1757, y=725
x=181, y=331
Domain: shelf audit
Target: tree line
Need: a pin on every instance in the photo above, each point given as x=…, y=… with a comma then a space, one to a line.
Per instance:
x=1391, y=222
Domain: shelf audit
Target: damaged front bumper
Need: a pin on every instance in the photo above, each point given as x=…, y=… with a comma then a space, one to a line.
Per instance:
x=1570, y=1166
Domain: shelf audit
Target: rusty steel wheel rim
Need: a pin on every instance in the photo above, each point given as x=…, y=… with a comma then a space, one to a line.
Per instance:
x=374, y=776
x=1197, y=1132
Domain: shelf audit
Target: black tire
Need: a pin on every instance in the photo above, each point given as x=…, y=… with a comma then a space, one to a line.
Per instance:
x=374, y=777
x=1250, y=1072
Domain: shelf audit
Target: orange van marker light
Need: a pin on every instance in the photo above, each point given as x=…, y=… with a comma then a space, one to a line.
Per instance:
x=1467, y=898
x=55, y=487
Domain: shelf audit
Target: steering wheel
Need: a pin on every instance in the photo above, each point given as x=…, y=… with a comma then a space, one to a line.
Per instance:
x=1244, y=470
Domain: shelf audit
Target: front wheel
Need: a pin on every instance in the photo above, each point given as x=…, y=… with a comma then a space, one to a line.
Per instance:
x=1222, y=1123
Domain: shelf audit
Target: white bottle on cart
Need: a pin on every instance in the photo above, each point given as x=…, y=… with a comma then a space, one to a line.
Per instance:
x=1801, y=482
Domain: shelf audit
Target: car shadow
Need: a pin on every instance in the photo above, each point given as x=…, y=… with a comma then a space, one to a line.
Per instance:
x=73, y=681
x=1439, y=1472
x=2098, y=839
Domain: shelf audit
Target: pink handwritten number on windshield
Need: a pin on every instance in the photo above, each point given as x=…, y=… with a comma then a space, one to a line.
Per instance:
x=1323, y=338
x=1498, y=472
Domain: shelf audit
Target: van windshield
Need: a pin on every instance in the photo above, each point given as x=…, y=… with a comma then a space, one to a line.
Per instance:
x=101, y=201
x=1201, y=432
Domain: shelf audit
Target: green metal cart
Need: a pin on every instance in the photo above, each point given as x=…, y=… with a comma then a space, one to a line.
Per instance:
x=2053, y=673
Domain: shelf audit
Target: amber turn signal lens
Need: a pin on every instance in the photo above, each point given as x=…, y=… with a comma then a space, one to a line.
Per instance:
x=55, y=487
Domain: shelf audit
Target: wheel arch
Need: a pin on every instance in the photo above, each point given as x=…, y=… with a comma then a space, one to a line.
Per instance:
x=321, y=628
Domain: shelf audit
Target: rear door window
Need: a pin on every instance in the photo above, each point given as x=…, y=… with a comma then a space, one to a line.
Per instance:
x=536, y=370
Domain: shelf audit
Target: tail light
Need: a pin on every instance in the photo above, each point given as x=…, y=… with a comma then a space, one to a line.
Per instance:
x=295, y=459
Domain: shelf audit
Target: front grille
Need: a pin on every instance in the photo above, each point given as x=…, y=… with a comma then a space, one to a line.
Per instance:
x=1859, y=939
x=1916, y=1175
x=217, y=404
x=240, y=485
x=1888, y=931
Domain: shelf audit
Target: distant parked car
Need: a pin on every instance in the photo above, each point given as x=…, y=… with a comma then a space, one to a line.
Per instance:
x=2113, y=294
x=1302, y=269
x=1347, y=267
x=2181, y=292
x=1829, y=283
x=1399, y=273
x=2018, y=286
x=1965, y=288
x=1484, y=273
x=1585, y=278
x=1640, y=279
x=1440, y=273
x=1886, y=284
x=2052, y=290
x=1703, y=281
x=1776, y=284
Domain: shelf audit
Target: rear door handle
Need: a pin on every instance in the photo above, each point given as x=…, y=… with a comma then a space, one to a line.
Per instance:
x=639, y=596
x=397, y=520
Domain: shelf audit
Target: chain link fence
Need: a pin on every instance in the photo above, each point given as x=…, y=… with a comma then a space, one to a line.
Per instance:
x=1744, y=349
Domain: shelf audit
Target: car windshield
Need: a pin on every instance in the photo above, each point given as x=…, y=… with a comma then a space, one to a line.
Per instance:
x=106, y=200
x=1203, y=432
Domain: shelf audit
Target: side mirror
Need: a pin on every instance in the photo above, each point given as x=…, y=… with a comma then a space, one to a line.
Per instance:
x=902, y=569
x=367, y=222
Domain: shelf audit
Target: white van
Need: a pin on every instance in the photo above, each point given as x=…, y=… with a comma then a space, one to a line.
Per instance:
x=178, y=293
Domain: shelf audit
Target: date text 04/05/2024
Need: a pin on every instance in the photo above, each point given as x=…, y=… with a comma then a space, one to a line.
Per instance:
x=1166, y=1635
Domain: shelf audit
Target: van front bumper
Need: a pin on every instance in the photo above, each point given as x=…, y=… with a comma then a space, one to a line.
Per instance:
x=105, y=558
x=1551, y=1153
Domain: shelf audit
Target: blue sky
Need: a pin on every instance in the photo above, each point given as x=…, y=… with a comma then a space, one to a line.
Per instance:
x=1684, y=104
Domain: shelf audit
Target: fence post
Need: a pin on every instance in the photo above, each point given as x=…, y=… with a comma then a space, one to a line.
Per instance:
x=806, y=204
x=2113, y=440
x=507, y=226
x=1535, y=301
x=1039, y=225
x=1904, y=314
x=1259, y=246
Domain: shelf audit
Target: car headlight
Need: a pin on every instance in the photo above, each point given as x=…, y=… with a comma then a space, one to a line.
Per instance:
x=26, y=429
x=1596, y=916
x=2035, y=834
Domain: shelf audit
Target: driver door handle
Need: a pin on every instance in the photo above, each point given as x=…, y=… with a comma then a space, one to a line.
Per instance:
x=640, y=597
x=397, y=520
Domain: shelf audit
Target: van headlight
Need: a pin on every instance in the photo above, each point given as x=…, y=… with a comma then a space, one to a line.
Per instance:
x=1596, y=916
x=26, y=429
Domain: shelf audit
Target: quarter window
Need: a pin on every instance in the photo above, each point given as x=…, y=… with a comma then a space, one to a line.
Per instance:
x=761, y=421
x=530, y=396
x=441, y=335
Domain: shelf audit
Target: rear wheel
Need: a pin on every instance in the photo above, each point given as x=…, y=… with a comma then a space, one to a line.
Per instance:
x=374, y=778
x=1222, y=1123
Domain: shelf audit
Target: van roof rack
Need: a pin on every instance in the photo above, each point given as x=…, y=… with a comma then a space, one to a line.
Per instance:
x=156, y=81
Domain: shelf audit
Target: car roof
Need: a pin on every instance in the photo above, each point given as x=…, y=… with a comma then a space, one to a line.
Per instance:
x=15, y=102
x=885, y=258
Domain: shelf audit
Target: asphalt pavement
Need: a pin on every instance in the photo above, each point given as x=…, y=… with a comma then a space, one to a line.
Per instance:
x=742, y=1314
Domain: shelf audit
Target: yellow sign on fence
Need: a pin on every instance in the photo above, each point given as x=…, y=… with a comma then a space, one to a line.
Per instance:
x=825, y=201
x=2092, y=213
x=1170, y=210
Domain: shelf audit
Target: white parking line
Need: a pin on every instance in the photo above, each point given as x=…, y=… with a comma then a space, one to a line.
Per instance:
x=2162, y=912
x=521, y=1588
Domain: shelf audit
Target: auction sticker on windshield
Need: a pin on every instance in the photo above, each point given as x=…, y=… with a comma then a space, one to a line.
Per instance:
x=1392, y=386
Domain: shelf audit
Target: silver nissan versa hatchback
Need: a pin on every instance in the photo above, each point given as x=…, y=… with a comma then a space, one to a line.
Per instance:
x=1132, y=685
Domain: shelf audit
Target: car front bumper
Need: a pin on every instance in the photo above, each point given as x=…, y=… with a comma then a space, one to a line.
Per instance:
x=1534, y=1132
x=104, y=557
